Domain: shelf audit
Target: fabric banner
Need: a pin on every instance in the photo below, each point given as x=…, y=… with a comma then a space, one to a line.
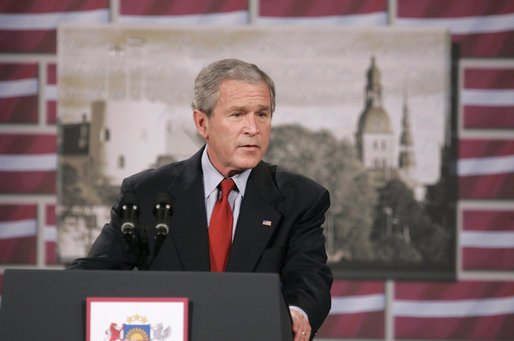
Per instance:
x=28, y=163
x=18, y=92
x=486, y=169
x=183, y=12
x=458, y=311
x=487, y=98
x=31, y=26
x=357, y=310
x=18, y=227
x=331, y=12
x=487, y=239
x=483, y=29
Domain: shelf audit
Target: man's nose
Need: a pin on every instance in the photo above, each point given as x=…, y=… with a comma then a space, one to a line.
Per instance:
x=251, y=126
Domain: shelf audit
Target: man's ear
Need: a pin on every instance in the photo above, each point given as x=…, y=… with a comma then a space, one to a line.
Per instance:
x=202, y=123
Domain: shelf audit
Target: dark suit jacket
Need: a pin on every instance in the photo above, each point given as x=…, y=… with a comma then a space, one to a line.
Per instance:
x=293, y=246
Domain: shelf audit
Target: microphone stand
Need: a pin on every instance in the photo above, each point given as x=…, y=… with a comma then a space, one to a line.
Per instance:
x=162, y=212
x=144, y=252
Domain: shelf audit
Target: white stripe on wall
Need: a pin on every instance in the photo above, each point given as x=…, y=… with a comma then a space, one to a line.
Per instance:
x=485, y=165
x=357, y=304
x=18, y=229
x=49, y=21
x=488, y=240
x=371, y=19
x=50, y=233
x=454, y=308
x=236, y=17
x=35, y=162
x=51, y=92
x=493, y=98
x=465, y=25
x=21, y=87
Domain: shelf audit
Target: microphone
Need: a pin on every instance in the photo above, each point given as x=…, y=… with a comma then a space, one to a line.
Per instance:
x=162, y=211
x=129, y=216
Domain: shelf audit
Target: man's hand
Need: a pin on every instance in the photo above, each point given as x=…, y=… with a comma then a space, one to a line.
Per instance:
x=301, y=326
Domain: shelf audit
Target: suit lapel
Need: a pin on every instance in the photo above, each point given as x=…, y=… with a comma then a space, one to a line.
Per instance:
x=189, y=222
x=256, y=214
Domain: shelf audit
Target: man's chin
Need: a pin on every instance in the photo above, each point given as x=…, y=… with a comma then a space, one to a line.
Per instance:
x=248, y=163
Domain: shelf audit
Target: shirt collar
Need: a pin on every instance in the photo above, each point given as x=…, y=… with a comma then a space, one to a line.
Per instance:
x=212, y=178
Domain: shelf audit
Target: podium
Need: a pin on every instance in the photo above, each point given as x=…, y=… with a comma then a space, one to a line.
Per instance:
x=51, y=304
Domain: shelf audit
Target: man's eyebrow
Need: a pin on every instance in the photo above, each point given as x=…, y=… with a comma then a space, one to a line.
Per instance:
x=243, y=108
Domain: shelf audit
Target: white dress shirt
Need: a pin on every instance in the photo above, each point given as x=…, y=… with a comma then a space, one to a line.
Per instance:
x=211, y=180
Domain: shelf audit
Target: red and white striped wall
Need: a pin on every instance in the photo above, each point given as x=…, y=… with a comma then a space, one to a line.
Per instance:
x=479, y=306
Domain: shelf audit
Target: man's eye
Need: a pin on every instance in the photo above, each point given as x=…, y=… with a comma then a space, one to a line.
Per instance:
x=237, y=114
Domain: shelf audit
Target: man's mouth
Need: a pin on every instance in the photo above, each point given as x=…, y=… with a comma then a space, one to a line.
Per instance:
x=250, y=146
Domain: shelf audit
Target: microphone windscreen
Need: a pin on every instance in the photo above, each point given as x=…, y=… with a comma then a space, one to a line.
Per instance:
x=162, y=200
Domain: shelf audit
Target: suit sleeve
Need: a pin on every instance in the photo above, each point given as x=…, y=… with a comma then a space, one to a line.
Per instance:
x=305, y=276
x=109, y=251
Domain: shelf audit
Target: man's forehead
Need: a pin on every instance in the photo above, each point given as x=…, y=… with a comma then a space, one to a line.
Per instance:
x=239, y=82
x=236, y=90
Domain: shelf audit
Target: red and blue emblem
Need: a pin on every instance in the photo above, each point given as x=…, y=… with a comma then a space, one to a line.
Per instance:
x=137, y=329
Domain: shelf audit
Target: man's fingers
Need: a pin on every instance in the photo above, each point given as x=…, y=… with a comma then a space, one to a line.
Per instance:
x=301, y=326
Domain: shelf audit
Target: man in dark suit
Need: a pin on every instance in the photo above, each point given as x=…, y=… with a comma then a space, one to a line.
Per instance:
x=275, y=217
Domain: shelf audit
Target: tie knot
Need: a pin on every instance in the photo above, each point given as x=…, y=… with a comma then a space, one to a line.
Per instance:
x=227, y=185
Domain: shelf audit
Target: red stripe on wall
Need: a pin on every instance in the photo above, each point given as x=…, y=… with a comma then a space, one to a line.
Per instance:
x=358, y=325
x=51, y=253
x=165, y=7
x=51, y=74
x=44, y=41
x=497, y=186
x=306, y=8
x=18, y=250
x=488, y=117
x=51, y=6
x=17, y=212
x=468, y=328
x=22, y=109
x=355, y=288
x=452, y=9
x=494, y=45
x=28, y=144
x=43, y=182
x=487, y=259
x=482, y=78
x=475, y=148
x=485, y=220
x=453, y=291
x=16, y=71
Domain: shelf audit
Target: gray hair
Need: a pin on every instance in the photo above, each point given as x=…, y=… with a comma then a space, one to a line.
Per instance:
x=206, y=91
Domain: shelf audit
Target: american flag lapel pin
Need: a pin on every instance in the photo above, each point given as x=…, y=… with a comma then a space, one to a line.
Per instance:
x=266, y=223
